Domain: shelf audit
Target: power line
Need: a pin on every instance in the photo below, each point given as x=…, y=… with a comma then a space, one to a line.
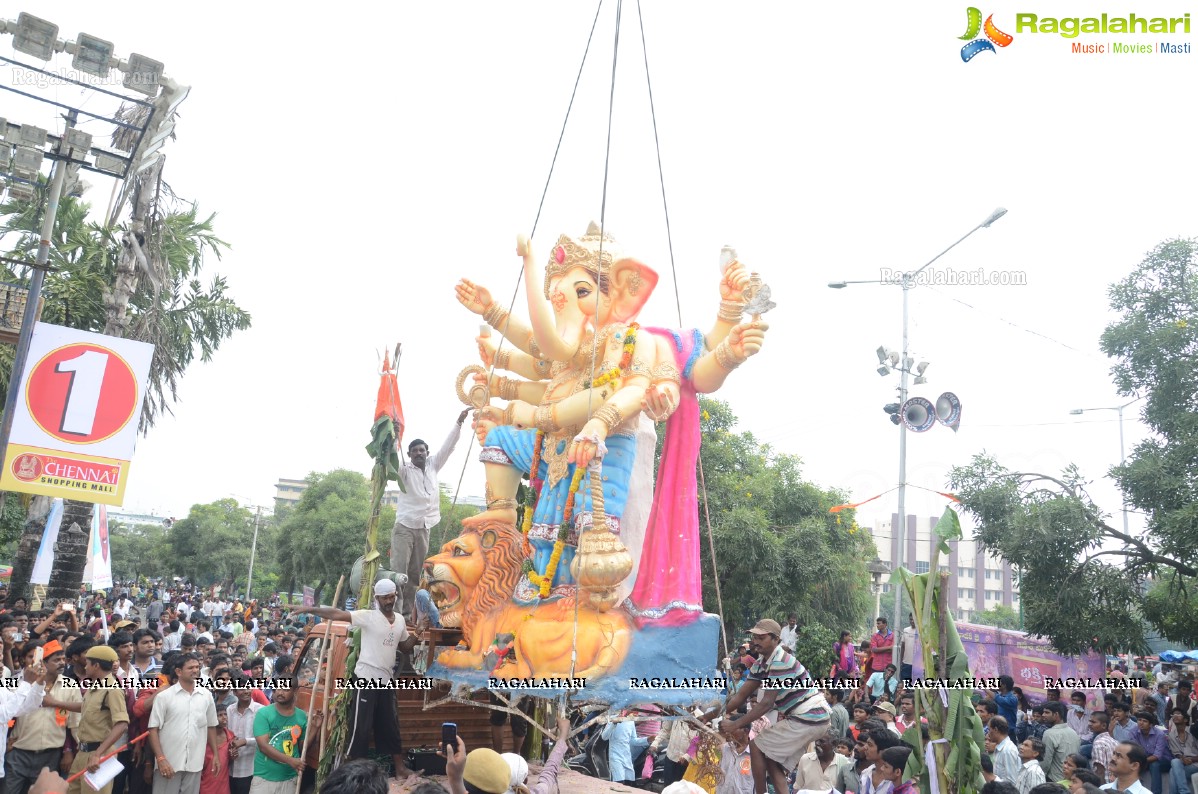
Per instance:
x=1015, y=325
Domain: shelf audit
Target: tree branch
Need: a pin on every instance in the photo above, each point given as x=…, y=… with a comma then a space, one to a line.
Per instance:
x=1142, y=550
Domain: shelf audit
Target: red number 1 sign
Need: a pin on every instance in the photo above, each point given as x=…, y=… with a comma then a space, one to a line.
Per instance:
x=74, y=431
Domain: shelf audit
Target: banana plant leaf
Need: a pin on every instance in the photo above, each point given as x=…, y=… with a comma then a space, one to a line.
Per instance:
x=951, y=762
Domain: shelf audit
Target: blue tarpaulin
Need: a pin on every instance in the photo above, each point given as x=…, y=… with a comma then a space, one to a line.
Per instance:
x=1175, y=657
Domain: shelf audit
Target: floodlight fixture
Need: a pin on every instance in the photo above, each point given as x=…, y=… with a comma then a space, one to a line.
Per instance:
x=5, y=157
x=908, y=363
x=171, y=97
x=144, y=75
x=78, y=140
x=920, y=380
x=93, y=55
x=1077, y=412
x=111, y=163
x=884, y=370
x=29, y=135
x=837, y=284
x=20, y=190
x=26, y=159
x=998, y=213
x=883, y=354
x=894, y=359
x=35, y=36
x=921, y=367
x=146, y=162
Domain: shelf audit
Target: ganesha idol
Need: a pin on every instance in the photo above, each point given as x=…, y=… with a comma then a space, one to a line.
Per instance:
x=600, y=553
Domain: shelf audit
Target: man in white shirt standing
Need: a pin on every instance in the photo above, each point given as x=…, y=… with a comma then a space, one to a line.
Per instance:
x=910, y=639
x=182, y=720
x=419, y=510
x=383, y=633
x=790, y=632
x=122, y=608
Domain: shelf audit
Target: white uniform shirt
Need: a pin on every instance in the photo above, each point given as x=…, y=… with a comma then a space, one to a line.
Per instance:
x=420, y=506
x=183, y=719
x=380, y=639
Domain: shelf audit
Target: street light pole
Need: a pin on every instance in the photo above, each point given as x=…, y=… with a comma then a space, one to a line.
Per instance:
x=36, y=279
x=908, y=281
x=249, y=579
x=1122, y=452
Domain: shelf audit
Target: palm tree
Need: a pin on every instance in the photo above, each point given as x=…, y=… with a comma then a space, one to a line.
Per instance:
x=95, y=286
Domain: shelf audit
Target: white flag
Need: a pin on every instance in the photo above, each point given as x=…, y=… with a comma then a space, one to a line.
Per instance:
x=45, y=552
x=100, y=556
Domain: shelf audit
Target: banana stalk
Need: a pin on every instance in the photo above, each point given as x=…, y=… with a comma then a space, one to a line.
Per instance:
x=954, y=728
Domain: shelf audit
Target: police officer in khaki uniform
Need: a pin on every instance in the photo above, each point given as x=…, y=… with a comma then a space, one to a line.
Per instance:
x=104, y=718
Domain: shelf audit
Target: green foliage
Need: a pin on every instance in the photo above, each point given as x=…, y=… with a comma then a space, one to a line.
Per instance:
x=814, y=648
x=139, y=550
x=1000, y=616
x=451, y=521
x=319, y=539
x=12, y=518
x=778, y=548
x=212, y=544
x=183, y=320
x=1082, y=579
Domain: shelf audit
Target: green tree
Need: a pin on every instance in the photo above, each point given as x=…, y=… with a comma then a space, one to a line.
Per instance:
x=321, y=536
x=450, y=525
x=138, y=550
x=999, y=616
x=91, y=286
x=1083, y=579
x=778, y=548
x=212, y=544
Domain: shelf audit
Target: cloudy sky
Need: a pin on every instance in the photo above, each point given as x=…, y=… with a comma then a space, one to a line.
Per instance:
x=363, y=157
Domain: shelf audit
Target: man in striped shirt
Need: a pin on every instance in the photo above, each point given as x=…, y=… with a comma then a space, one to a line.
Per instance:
x=785, y=684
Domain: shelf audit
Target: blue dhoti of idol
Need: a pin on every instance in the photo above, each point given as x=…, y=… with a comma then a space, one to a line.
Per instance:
x=508, y=446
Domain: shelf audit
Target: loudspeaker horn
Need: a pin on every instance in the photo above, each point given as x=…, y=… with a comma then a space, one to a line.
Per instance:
x=918, y=415
x=948, y=410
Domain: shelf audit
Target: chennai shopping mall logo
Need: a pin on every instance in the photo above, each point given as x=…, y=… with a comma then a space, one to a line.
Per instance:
x=990, y=37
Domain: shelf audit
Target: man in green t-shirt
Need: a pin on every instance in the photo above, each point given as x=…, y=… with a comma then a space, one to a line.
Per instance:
x=279, y=731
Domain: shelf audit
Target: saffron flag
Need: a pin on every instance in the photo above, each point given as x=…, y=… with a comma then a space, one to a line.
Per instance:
x=388, y=402
x=45, y=552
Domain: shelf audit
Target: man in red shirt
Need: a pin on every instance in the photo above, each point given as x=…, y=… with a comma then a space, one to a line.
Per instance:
x=881, y=646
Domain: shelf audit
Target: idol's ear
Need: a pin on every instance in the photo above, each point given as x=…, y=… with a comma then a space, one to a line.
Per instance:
x=629, y=286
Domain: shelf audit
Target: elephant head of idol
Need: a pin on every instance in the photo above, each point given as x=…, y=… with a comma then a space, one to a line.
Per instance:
x=588, y=283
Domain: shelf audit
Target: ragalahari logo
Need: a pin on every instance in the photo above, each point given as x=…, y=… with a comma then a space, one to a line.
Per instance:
x=993, y=36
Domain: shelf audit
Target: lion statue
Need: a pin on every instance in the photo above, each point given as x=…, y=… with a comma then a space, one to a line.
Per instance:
x=471, y=582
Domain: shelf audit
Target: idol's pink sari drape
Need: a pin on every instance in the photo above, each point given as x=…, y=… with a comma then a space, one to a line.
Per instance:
x=669, y=589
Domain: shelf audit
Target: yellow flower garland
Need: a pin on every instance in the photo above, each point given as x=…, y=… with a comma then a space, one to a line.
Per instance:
x=545, y=583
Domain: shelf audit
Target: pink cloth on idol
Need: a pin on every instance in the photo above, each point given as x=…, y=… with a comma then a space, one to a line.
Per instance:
x=669, y=588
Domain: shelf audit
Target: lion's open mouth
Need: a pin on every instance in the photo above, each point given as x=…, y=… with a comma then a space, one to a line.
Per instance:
x=446, y=595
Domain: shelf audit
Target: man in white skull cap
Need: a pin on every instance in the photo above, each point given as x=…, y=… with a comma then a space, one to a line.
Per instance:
x=383, y=633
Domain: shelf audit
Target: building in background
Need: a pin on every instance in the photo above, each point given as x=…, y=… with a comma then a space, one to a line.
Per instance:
x=977, y=580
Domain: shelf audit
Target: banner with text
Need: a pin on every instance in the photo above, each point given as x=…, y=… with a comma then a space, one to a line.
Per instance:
x=74, y=432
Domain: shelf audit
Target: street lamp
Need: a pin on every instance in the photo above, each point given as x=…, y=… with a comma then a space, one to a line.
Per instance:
x=1122, y=455
x=877, y=569
x=907, y=281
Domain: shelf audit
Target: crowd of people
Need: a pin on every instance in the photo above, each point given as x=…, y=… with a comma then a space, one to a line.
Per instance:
x=171, y=690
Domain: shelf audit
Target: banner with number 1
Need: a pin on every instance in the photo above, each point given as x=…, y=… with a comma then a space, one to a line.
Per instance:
x=75, y=426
